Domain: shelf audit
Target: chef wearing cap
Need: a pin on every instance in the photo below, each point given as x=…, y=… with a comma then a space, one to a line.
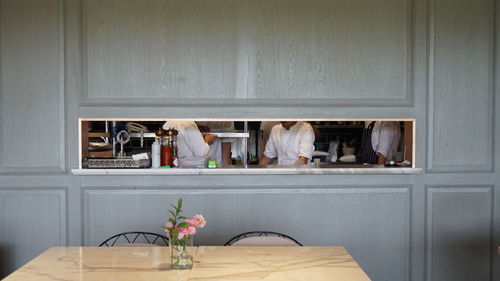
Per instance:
x=292, y=142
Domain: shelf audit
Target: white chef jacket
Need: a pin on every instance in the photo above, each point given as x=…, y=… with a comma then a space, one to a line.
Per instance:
x=289, y=145
x=266, y=127
x=385, y=138
x=216, y=148
x=192, y=148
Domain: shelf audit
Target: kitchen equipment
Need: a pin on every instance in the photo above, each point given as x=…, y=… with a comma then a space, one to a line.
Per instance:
x=136, y=127
x=100, y=145
x=100, y=150
x=333, y=151
x=160, y=132
x=116, y=163
x=348, y=150
x=391, y=163
x=122, y=138
x=172, y=133
x=211, y=164
x=348, y=159
x=155, y=153
x=321, y=156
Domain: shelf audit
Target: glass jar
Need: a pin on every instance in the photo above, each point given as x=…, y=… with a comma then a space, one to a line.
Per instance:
x=180, y=256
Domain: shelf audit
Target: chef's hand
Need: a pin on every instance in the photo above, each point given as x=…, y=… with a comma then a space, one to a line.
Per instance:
x=209, y=138
x=381, y=159
x=300, y=161
x=265, y=161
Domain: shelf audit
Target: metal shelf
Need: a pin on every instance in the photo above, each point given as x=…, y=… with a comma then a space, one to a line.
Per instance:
x=218, y=134
x=98, y=135
x=339, y=126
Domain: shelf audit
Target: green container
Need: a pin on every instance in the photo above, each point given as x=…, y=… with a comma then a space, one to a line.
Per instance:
x=211, y=164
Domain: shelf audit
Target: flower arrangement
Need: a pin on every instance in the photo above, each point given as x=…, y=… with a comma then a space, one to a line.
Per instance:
x=180, y=229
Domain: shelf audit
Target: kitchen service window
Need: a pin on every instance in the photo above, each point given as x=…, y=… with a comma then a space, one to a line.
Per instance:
x=245, y=144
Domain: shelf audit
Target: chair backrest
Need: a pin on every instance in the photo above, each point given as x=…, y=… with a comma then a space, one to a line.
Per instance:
x=262, y=238
x=135, y=238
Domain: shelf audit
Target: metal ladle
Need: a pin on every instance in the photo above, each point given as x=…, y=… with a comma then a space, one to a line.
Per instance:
x=122, y=138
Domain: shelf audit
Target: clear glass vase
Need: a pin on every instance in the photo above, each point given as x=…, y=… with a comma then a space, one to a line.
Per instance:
x=180, y=257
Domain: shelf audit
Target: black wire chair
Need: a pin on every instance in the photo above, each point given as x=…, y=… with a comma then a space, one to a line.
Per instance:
x=241, y=237
x=135, y=237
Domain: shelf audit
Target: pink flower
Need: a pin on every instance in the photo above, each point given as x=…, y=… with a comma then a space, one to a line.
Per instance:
x=180, y=235
x=168, y=226
x=191, y=230
x=198, y=221
x=187, y=230
x=190, y=222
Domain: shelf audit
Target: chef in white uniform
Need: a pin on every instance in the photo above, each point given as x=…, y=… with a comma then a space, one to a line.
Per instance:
x=385, y=140
x=193, y=147
x=220, y=150
x=292, y=142
x=265, y=127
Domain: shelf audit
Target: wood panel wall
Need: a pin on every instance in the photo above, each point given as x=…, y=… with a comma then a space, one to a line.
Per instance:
x=435, y=61
x=32, y=81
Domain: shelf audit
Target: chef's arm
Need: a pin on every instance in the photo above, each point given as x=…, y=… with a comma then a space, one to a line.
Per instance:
x=196, y=142
x=302, y=160
x=306, y=147
x=269, y=153
x=209, y=138
x=381, y=159
x=265, y=161
x=226, y=153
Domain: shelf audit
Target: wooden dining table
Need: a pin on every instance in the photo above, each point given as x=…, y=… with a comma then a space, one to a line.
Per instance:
x=211, y=263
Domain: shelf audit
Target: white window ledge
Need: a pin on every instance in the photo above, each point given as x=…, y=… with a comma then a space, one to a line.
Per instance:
x=248, y=171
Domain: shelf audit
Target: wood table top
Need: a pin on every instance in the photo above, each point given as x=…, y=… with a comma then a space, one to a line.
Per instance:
x=211, y=263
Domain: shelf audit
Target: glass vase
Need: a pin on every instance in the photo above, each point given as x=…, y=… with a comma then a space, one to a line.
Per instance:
x=180, y=257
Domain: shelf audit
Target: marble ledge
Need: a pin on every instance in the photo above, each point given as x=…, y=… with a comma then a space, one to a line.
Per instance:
x=247, y=171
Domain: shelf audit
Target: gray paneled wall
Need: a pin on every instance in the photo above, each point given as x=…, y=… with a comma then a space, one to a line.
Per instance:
x=461, y=38
x=459, y=227
x=306, y=50
x=31, y=219
x=296, y=51
x=378, y=218
x=32, y=86
x=435, y=61
x=161, y=49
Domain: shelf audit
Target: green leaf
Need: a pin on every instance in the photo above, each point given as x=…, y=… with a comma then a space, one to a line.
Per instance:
x=183, y=225
x=171, y=212
x=182, y=217
x=179, y=203
x=172, y=221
